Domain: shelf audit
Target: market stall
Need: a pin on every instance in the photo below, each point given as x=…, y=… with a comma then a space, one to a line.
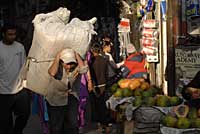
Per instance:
x=143, y=108
x=136, y=101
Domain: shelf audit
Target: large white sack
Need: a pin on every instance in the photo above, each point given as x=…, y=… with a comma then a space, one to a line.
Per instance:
x=51, y=34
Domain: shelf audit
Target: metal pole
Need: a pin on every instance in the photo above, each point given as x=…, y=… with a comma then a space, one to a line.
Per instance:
x=161, y=81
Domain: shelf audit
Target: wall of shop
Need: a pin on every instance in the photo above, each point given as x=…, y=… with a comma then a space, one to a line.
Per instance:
x=188, y=43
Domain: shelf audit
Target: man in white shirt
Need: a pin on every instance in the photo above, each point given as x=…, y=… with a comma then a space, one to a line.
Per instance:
x=14, y=99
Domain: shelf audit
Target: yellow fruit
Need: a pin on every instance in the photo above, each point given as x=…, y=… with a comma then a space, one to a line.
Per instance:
x=124, y=83
x=135, y=83
x=144, y=85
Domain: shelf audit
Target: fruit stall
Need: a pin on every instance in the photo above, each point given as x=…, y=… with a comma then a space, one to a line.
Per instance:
x=143, y=108
x=183, y=119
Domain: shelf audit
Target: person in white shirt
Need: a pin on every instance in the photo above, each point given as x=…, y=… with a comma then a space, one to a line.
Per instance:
x=14, y=99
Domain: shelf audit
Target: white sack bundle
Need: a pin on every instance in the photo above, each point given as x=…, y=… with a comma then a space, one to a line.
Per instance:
x=52, y=32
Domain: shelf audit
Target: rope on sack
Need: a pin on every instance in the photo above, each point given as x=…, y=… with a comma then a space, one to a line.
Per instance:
x=38, y=61
x=26, y=66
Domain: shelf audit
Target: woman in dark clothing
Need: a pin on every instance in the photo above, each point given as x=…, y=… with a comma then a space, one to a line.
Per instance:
x=98, y=69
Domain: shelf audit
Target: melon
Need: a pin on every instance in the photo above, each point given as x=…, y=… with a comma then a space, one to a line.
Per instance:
x=192, y=114
x=162, y=101
x=118, y=93
x=196, y=123
x=138, y=101
x=183, y=123
x=169, y=121
x=175, y=100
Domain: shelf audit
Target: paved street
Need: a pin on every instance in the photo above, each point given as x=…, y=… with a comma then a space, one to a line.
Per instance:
x=34, y=127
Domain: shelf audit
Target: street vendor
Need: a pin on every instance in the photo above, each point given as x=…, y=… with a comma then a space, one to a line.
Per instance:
x=134, y=65
x=191, y=92
x=63, y=110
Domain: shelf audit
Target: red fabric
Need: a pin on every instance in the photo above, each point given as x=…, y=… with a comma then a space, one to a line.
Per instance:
x=135, y=66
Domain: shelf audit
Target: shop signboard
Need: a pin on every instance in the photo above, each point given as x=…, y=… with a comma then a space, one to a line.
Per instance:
x=187, y=63
x=192, y=8
x=124, y=25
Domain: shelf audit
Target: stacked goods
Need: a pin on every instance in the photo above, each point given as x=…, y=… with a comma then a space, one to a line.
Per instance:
x=182, y=117
x=126, y=87
x=144, y=93
x=153, y=97
x=167, y=101
x=148, y=99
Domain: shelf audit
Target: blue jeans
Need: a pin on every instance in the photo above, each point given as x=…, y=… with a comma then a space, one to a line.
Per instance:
x=64, y=119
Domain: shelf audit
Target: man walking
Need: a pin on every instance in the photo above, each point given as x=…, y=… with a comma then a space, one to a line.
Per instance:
x=14, y=99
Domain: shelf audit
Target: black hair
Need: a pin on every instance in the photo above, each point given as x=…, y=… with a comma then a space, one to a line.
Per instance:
x=96, y=47
x=106, y=43
x=7, y=26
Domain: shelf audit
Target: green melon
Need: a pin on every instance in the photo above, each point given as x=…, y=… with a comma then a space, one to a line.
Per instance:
x=169, y=121
x=138, y=92
x=137, y=101
x=196, y=123
x=118, y=93
x=126, y=92
x=162, y=101
x=147, y=93
x=156, y=90
x=114, y=87
x=192, y=114
x=183, y=123
x=149, y=101
x=175, y=100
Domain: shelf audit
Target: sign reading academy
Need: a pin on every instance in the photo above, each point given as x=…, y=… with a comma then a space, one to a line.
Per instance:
x=187, y=63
